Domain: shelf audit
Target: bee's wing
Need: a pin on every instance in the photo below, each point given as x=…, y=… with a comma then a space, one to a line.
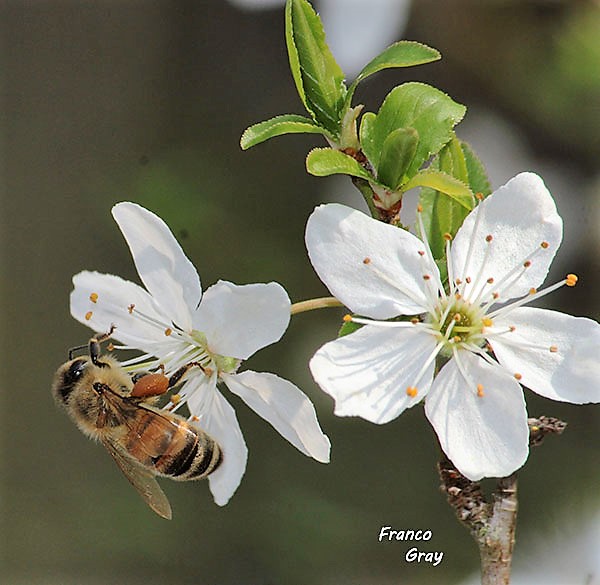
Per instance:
x=141, y=479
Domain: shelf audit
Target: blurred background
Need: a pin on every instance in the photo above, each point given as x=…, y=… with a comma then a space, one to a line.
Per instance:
x=104, y=101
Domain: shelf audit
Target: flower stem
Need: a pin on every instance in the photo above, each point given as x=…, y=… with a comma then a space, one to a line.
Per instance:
x=310, y=305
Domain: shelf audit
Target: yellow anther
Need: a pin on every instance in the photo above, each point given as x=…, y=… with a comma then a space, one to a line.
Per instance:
x=572, y=279
x=209, y=372
x=480, y=390
x=347, y=318
x=458, y=296
x=447, y=236
x=175, y=398
x=94, y=297
x=553, y=349
x=487, y=322
x=545, y=245
x=457, y=317
x=419, y=208
x=88, y=315
x=168, y=331
x=367, y=260
x=518, y=376
x=110, y=347
x=414, y=320
x=457, y=339
x=535, y=429
x=458, y=281
x=130, y=308
x=479, y=196
x=412, y=391
x=532, y=291
x=195, y=418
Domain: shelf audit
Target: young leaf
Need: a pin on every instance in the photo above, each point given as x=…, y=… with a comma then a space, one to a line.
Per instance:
x=400, y=54
x=319, y=79
x=442, y=214
x=323, y=162
x=429, y=111
x=478, y=179
x=397, y=152
x=286, y=124
x=445, y=184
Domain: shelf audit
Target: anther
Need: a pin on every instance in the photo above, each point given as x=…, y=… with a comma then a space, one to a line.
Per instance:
x=532, y=291
x=421, y=252
x=88, y=315
x=468, y=279
x=489, y=238
x=414, y=320
x=553, y=349
x=511, y=328
x=130, y=308
x=458, y=282
x=518, y=376
x=419, y=208
x=479, y=196
x=457, y=317
x=457, y=339
x=94, y=297
x=480, y=390
x=571, y=279
x=195, y=418
x=447, y=236
x=495, y=295
x=347, y=318
x=412, y=391
x=487, y=322
x=175, y=398
x=527, y=264
x=490, y=280
x=545, y=245
x=426, y=277
x=367, y=260
x=168, y=331
x=110, y=347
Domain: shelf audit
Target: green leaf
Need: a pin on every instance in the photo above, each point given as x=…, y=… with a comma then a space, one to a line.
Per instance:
x=400, y=54
x=319, y=79
x=478, y=179
x=412, y=105
x=443, y=214
x=323, y=162
x=397, y=152
x=286, y=124
x=444, y=183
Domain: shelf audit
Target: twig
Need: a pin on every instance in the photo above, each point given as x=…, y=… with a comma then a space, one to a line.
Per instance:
x=492, y=525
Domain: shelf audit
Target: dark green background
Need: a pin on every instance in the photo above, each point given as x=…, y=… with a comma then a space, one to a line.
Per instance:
x=145, y=101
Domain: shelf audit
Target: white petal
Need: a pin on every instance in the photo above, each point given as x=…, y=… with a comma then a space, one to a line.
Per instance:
x=569, y=374
x=368, y=372
x=240, y=320
x=373, y=268
x=483, y=436
x=285, y=407
x=163, y=267
x=114, y=295
x=519, y=216
x=218, y=419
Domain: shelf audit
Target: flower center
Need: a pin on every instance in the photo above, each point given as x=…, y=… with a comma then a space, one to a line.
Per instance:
x=458, y=323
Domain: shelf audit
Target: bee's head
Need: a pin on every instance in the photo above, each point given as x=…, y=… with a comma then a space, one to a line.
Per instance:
x=68, y=376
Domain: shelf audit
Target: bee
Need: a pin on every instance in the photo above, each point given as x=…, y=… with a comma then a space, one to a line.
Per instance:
x=110, y=406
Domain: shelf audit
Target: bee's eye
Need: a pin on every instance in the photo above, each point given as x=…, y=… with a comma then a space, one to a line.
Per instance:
x=74, y=372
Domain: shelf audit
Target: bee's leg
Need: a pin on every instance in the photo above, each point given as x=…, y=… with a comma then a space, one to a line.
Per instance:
x=95, y=346
x=177, y=375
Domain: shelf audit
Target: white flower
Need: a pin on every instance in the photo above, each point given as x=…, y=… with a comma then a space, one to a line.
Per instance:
x=173, y=323
x=491, y=343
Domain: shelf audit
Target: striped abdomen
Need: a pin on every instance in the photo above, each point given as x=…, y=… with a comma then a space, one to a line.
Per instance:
x=170, y=446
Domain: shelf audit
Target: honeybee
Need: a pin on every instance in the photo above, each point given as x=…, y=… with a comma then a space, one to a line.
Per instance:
x=110, y=406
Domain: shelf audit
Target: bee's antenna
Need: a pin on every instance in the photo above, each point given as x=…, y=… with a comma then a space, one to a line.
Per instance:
x=94, y=346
